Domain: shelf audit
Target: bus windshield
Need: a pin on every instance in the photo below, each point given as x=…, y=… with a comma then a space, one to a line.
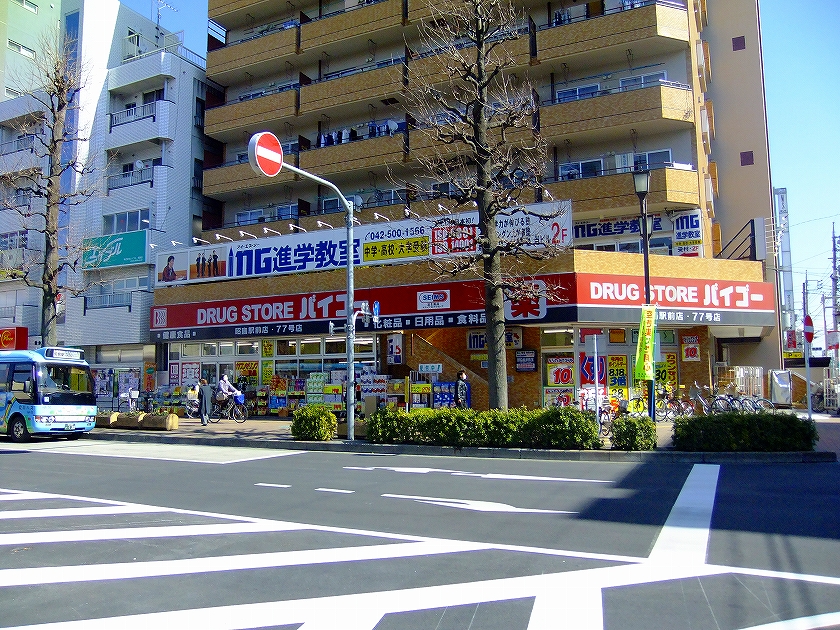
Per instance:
x=61, y=378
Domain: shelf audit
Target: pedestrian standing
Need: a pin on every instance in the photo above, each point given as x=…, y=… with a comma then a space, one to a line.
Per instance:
x=205, y=401
x=461, y=390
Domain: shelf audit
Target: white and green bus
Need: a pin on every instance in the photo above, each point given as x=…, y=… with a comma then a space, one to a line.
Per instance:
x=48, y=391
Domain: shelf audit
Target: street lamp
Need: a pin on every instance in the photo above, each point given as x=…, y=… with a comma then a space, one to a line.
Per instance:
x=641, y=182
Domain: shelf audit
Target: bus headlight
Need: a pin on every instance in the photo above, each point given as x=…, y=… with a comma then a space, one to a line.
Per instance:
x=45, y=419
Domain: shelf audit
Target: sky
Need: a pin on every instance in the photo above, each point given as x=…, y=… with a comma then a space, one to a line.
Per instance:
x=801, y=46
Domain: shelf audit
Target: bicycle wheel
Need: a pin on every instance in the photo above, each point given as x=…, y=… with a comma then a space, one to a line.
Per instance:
x=191, y=409
x=663, y=412
x=215, y=413
x=762, y=404
x=687, y=407
x=637, y=407
x=238, y=413
x=720, y=405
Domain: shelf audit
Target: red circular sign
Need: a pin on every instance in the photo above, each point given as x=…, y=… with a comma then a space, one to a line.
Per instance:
x=265, y=154
x=808, y=329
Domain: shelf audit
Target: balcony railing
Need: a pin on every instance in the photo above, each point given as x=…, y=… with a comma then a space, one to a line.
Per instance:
x=266, y=29
x=7, y=312
x=601, y=172
x=567, y=16
x=25, y=143
x=108, y=300
x=357, y=69
x=130, y=178
x=336, y=8
x=130, y=115
x=568, y=98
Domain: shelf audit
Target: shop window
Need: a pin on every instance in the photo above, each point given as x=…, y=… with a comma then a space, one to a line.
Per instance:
x=208, y=371
x=336, y=346
x=247, y=347
x=227, y=368
x=191, y=350
x=225, y=348
x=363, y=345
x=286, y=348
x=209, y=349
x=557, y=337
x=310, y=346
x=174, y=351
x=286, y=367
x=633, y=247
x=307, y=367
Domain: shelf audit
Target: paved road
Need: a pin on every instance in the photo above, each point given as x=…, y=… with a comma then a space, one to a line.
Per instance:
x=118, y=535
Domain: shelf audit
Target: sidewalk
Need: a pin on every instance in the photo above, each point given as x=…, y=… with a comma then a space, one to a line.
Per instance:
x=275, y=433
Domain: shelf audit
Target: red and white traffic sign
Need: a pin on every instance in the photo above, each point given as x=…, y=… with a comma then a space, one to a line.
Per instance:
x=265, y=154
x=808, y=329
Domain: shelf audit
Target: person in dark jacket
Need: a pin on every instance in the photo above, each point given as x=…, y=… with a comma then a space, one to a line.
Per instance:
x=205, y=401
x=461, y=390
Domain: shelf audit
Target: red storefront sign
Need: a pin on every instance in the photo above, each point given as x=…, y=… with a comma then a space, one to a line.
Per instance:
x=14, y=338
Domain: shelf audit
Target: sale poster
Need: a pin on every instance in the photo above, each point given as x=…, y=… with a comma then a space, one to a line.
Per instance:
x=617, y=376
x=587, y=370
x=558, y=396
x=267, y=371
x=560, y=371
x=690, y=346
x=666, y=371
x=174, y=373
x=190, y=373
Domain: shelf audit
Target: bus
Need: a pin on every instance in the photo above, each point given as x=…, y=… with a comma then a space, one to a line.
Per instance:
x=48, y=391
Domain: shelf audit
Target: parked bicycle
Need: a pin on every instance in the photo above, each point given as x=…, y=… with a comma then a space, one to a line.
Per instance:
x=709, y=402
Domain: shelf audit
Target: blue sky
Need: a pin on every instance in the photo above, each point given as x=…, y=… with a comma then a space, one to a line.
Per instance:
x=801, y=43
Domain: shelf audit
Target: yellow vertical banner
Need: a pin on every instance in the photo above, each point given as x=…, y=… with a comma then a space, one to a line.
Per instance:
x=644, y=350
x=666, y=371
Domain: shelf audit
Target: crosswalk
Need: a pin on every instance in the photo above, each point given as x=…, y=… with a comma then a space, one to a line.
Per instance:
x=75, y=562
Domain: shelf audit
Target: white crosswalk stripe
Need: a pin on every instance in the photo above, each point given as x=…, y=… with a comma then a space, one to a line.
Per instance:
x=561, y=597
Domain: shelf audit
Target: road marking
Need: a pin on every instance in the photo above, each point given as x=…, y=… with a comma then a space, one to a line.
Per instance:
x=130, y=570
x=190, y=453
x=803, y=623
x=129, y=533
x=462, y=473
x=86, y=511
x=273, y=485
x=475, y=506
x=685, y=536
x=24, y=496
x=335, y=490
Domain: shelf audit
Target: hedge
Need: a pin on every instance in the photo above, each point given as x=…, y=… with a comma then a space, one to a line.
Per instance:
x=735, y=431
x=630, y=433
x=314, y=422
x=554, y=427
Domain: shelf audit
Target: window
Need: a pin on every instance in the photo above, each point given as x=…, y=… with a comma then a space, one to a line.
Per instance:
x=191, y=350
x=10, y=93
x=225, y=348
x=20, y=48
x=26, y=4
x=13, y=240
x=123, y=285
x=331, y=204
x=247, y=347
x=747, y=158
x=151, y=97
x=246, y=217
x=645, y=80
x=573, y=94
x=575, y=170
x=209, y=349
x=739, y=43
x=125, y=221
x=652, y=159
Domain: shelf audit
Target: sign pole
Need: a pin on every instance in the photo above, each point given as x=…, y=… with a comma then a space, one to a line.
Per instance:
x=807, y=337
x=266, y=157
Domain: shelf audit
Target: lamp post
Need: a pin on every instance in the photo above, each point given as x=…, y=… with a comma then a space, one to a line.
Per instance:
x=641, y=182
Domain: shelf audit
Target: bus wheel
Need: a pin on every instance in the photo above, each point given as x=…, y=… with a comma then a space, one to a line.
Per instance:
x=17, y=429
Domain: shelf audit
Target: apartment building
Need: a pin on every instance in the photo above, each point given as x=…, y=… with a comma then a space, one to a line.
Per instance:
x=623, y=85
x=141, y=112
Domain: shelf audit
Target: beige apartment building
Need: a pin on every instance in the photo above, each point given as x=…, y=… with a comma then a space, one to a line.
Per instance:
x=623, y=85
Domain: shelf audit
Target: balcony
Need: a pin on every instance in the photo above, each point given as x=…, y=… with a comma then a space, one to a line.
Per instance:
x=358, y=155
x=430, y=67
x=20, y=155
x=611, y=113
x=237, y=13
x=229, y=180
x=269, y=109
x=650, y=27
x=131, y=178
x=613, y=192
x=258, y=55
x=150, y=122
x=362, y=20
x=108, y=300
x=354, y=85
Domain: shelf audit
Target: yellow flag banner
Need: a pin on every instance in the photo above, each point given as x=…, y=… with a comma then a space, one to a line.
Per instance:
x=644, y=350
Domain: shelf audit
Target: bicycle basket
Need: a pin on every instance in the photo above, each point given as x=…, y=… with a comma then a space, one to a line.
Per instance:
x=221, y=396
x=239, y=399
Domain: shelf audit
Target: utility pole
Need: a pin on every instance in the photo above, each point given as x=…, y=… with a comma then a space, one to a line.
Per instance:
x=807, y=344
x=833, y=298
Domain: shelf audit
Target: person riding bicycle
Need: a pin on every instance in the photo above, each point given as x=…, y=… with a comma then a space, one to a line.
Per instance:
x=227, y=391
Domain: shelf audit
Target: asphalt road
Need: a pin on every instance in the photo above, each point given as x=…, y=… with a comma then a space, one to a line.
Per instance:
x=119, y=535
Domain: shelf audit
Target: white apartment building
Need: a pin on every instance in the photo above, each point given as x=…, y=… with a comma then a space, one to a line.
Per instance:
x=142, y=113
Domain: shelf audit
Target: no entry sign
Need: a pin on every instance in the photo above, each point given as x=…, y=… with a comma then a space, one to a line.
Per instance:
x=808, y=329
x=265, y=154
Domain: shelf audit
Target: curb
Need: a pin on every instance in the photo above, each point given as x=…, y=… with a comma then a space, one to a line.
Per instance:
x=664, y=456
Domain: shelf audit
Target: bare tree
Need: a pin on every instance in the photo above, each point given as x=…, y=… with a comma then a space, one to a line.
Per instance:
x=480, y=124
x=45, y=187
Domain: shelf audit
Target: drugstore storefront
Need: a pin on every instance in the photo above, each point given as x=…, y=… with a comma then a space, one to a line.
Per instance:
x=279, y=342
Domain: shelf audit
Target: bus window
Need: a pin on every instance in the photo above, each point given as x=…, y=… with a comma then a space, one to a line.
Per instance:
x=22, y=382
x=4, y=377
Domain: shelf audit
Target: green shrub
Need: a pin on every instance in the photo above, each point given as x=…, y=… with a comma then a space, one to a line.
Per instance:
x=451, y=427
x=392, y=426
x=314, y=422
x=631, y=433
x=501, y=428
x=734, y=431
x=559, y=427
